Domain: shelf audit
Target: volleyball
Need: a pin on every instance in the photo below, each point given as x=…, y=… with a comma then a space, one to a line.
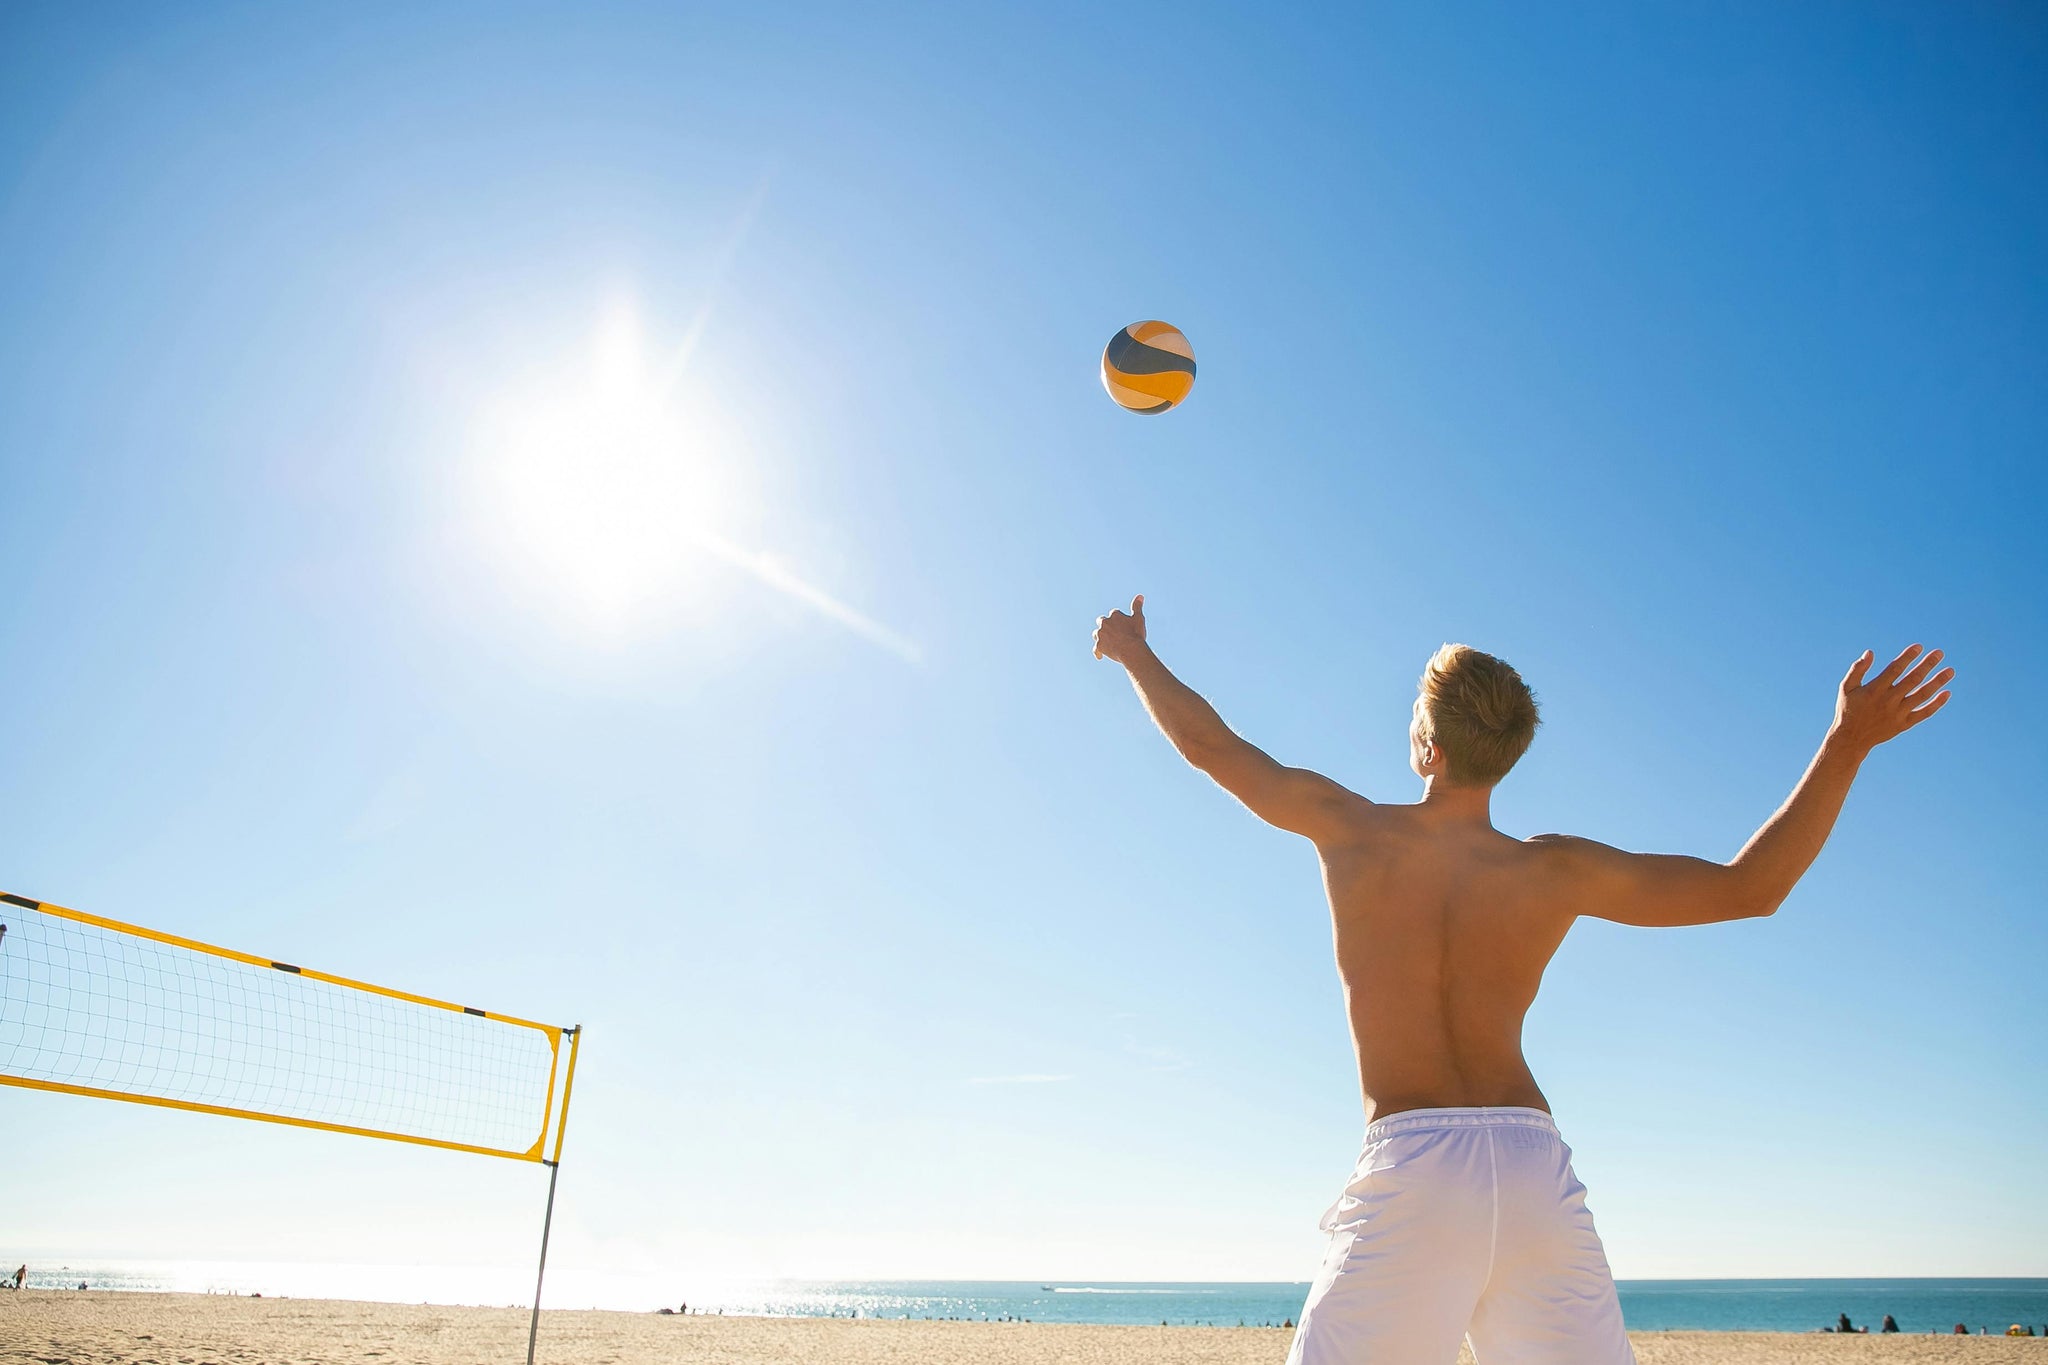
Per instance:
x=1148, y=367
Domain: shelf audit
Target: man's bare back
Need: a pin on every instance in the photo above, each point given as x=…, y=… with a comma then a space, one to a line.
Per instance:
x=1443, y=925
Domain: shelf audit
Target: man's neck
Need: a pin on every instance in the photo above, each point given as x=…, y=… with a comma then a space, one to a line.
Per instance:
x=1457, y=804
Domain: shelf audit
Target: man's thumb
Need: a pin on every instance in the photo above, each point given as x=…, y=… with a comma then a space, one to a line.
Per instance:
x=1138, y=606
x=1854, y=677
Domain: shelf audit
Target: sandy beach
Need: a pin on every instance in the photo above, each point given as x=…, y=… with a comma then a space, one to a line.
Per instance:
x=53, y=1327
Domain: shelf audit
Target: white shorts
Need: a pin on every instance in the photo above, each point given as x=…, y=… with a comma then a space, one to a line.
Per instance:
x=1462, y=1222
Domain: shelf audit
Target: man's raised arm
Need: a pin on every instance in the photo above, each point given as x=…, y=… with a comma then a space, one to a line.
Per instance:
x=1662, y=889
x=1293, y=799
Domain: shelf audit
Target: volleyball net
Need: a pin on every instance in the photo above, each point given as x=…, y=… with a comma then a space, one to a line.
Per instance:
x=95, y=1007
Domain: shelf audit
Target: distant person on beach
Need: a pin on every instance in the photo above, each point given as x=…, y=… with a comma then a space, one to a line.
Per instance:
x=1891, y=1324
x=1463, y=1217
x=1842, y=1323
x=20, y=1274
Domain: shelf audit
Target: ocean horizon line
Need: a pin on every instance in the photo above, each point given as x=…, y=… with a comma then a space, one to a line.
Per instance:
x=1920, y=1304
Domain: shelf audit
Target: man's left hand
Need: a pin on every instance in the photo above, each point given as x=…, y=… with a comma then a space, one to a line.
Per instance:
x=1119, y=635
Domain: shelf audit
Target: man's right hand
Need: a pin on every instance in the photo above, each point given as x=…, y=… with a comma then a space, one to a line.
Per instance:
x=1897, y=699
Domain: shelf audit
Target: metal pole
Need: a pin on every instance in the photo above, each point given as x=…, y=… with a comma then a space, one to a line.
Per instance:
x=533, y=1332
x=575, y=1036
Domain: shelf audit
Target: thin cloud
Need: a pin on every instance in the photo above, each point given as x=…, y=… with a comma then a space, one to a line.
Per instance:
x=1155, y=1058
x=1027, y=1078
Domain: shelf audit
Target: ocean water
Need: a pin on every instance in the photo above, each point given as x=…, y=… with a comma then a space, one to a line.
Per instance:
x=1920, y=1305
x=1647, y=1305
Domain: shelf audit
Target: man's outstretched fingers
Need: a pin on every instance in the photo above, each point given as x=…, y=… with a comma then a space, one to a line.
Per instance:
x=1920, y=670
x=1927, y=689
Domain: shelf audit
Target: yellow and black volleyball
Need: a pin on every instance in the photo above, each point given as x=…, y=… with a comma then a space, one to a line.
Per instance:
x=1148, y=367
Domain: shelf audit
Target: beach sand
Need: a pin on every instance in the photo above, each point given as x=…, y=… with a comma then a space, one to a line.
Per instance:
x=48, y=1327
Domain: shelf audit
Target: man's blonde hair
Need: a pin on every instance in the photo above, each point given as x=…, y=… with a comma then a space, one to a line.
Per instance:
x=1477, y=711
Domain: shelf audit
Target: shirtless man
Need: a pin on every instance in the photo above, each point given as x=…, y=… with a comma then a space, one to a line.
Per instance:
x=1463, y=1217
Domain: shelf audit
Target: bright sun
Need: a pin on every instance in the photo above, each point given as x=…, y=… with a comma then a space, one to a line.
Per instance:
x=608, y=490
x=601, y=483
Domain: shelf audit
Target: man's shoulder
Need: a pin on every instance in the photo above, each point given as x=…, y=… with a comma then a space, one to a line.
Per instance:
x=1566, y=848
x=1562, y=853
x=1357, y=821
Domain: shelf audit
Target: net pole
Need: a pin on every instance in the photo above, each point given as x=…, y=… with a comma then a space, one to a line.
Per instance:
x=554, y=1173
x=547, y=1223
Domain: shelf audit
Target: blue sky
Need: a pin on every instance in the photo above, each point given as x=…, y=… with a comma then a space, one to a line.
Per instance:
x=1675, y=357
